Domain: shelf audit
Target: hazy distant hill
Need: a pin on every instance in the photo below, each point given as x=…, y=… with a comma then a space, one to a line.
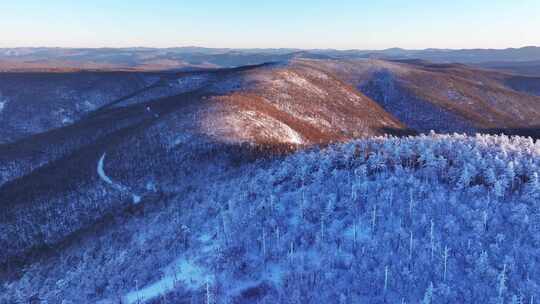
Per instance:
x=449, y=56
x=530, y=68
x=58, y=59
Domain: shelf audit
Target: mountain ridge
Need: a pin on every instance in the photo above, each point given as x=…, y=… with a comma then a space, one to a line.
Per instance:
x=160, y=59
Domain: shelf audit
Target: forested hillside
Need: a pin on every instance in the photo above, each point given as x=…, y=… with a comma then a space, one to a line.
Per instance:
x=427, y=219
x=444, y=97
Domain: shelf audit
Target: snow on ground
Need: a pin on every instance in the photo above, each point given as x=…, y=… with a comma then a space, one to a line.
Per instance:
x=280, y=130
x=103, y=176
x=67, y=120
x=181, y=273
x=317, y=74
x=3, y=102
x=242, y=124
x=292, y=136
x=289, y=77
x=101, y=171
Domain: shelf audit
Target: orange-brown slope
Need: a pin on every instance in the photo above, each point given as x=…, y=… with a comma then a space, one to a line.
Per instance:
x=295, y=104
x=450, y=97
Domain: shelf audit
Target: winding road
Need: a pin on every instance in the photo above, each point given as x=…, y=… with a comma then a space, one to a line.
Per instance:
x=103, y=176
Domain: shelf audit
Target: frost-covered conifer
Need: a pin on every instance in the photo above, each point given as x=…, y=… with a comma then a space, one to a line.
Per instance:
x=428, y=295
x=498, y=189
x=532, y=189
x=385, y=278
x=209, y=299
x=490, y=176
x=485, y=219
x=445, y=262
x=432, y=238
x=510, y=174
x=482, y=264
x=411, y=245
x=465, y=177
x=374, y=219
x=502, y=283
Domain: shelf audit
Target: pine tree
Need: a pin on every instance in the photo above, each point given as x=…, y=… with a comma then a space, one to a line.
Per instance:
x=482, y=264
x=499, y=188
x=445, y=261
x=432, y=238
x=490, y=176
x=502, y=283
x=428, y=295
x=510, y=175
x=532, y=189
x=465, y=177
x=385, y=278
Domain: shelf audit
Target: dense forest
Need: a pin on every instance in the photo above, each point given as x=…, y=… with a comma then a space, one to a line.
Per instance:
x=420, y=219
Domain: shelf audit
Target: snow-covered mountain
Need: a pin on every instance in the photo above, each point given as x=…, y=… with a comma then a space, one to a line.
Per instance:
x=270, y=183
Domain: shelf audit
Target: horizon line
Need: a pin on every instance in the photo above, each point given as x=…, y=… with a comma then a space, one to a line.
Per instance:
x=264, y=48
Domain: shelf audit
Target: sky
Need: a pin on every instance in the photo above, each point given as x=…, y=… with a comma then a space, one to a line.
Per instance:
x=337, y=24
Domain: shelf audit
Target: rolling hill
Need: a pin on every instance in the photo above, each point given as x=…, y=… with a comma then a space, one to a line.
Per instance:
x=444, y=97
x=155, y=59
x=266, y=106
x=268, y=182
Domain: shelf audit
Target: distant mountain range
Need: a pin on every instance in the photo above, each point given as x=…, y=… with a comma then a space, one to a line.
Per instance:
x=62, y=59
x=448, y=55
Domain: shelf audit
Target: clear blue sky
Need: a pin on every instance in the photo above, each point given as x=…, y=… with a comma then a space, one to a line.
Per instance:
x=341, y=24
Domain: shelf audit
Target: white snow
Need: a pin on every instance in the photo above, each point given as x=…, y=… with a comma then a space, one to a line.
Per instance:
x=101, y=171
x=292, y=135
x=103, y=176
x=317, y=74
x=3, y=102
x=67, y=120
x=270, y=126
x=289, y=77
x=182, y=271
x=237, y=125
x=151, y=291
x=191, y=275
